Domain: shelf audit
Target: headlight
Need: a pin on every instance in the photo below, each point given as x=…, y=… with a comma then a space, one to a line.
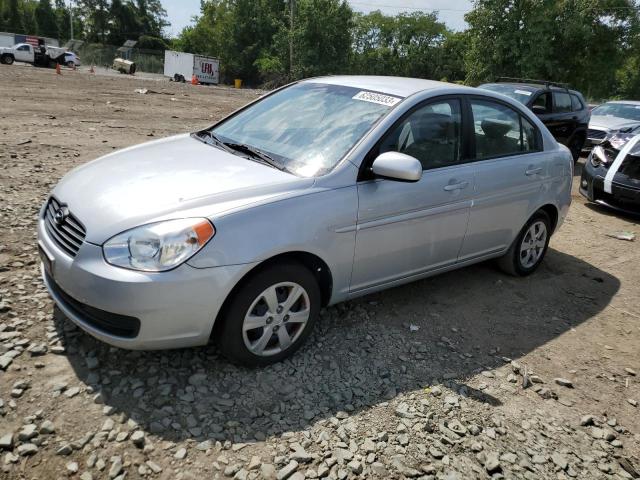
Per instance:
x=598, y=156
x=617, y=142
x=160, y=246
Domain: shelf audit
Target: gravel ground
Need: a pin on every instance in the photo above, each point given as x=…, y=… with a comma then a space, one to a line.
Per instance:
x=471, y=374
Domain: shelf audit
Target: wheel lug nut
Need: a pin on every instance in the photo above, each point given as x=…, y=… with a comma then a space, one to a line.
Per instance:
x=275, y=328
x=269, y=320
x=286, y=318
x=279, y=309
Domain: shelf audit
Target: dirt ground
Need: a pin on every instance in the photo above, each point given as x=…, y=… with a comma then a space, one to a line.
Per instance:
x=370, y=396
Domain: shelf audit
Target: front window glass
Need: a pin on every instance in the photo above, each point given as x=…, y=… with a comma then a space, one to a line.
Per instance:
x=620, y=110
x=23, y=48
x=521, y=94
x=432, y=134
x=308, y=127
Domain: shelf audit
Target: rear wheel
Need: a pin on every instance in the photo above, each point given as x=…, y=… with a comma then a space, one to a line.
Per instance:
x=71, y=64
x=529, y=248
x=270, y=316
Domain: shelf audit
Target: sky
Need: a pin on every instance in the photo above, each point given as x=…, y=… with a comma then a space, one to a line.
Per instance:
x=451, y=12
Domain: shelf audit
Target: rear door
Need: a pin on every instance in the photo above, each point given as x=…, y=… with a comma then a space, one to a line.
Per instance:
x=562, y=121
x=510, y=169
x=405, y=229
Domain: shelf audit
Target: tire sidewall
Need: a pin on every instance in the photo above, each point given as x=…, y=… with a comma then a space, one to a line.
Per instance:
x=7, y=60
x=229, y=336
x=519, y=268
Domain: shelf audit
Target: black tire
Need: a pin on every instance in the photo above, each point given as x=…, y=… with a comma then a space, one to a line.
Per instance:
x=229, y=334
x=71, y=64
x=7, y=59
x=512, y=262
x=575, y=146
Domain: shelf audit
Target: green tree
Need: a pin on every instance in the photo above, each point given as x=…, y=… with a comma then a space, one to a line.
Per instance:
x=321, y=37
x=413, y=44
x=46, y=19
x=14, y=20
x=123, y=22
x=582, y=42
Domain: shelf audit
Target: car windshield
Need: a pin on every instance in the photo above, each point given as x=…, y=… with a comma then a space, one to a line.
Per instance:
x=308, y=127
x=519, y=94
x=619, y=110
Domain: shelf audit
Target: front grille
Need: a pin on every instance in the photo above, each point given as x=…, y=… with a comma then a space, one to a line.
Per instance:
x=106, y=322
x=67, y=234
x=596, y=134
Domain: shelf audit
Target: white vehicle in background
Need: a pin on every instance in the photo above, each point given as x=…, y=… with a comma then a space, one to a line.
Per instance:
x=41, y=56
x=71, y=60
x=611, y=117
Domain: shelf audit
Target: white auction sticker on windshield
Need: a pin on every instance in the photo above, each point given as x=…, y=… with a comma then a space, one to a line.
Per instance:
x=374, y=97
x=523, y=92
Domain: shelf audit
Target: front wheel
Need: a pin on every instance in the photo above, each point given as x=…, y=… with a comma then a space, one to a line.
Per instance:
x=71, y=64
x=7, y=59
x=270, y=316
x=528, y=249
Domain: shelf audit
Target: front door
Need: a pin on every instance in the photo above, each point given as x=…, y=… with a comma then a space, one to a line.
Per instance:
x=405, y=229
x=24, y=53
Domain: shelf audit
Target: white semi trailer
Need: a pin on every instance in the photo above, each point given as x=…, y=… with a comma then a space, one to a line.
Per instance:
x=206, y=69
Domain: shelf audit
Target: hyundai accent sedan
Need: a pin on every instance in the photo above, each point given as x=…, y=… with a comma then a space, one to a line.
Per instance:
x=319, y=192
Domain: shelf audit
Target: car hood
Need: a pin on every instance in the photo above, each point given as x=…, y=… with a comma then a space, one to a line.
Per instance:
x=174, y=177
x=607, y=122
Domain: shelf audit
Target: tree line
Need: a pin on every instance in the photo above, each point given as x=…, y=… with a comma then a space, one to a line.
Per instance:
x=591, y=44
x=105, y=22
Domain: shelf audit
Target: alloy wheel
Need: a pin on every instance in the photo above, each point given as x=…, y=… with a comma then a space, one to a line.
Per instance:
x=533, y=244
x=276, y=318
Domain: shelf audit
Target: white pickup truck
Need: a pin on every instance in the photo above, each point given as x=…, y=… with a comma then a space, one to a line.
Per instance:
x=42, y=56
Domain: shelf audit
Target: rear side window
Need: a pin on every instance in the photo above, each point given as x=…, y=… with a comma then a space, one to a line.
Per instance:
x=562, y=102
x=576, y=103
x=500, y=131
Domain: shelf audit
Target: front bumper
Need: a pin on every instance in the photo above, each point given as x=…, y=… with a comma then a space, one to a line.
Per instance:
x=622, y=197
x=136, y=310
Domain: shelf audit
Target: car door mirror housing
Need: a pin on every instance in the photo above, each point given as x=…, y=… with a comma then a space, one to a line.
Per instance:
x=397, y=166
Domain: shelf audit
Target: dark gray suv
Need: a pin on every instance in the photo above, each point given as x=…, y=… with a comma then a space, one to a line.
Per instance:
x=563, y=111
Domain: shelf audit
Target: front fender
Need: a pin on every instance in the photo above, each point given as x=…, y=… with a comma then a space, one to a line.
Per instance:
x=321, y=222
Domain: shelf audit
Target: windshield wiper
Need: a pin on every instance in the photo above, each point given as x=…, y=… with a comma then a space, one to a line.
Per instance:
x=208, y=134
x=256, y=153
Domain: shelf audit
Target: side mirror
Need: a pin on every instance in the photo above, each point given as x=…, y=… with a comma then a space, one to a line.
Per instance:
x=397, y=166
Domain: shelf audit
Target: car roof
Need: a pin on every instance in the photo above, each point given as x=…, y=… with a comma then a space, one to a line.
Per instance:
x=625, y=102
x=399, y=86
x=533, y=87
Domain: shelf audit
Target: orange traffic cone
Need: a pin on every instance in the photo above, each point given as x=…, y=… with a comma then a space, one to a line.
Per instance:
x=58, y=71
x=194, y=80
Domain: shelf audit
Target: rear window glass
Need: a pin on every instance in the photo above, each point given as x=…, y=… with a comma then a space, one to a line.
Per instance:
x=576, y=104
x=562, y=102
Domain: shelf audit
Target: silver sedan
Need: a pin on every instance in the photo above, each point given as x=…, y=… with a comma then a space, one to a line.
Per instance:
x=316, y=193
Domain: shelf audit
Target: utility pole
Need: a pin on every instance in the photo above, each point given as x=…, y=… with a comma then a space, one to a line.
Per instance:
x=71, y=18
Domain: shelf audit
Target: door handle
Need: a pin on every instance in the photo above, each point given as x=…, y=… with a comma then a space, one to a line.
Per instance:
x=456, y=186
x=533, y=171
